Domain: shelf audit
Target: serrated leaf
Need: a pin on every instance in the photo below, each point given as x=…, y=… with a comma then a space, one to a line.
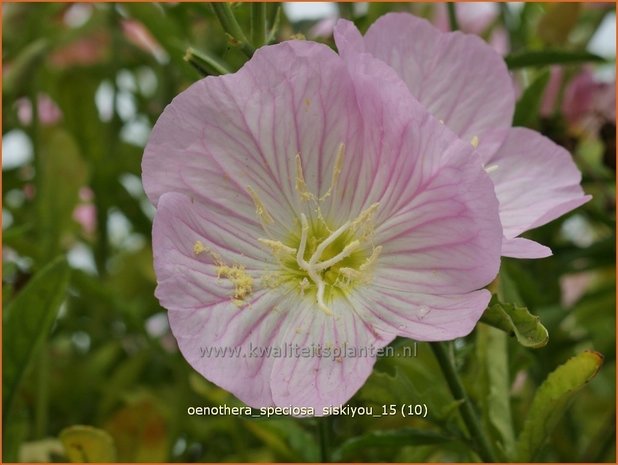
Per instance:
x=528, y=106
x=552, y=399
x=86, y=444
x=390, y=439
x=27, y=322
x=516, y=320
x=550, y=57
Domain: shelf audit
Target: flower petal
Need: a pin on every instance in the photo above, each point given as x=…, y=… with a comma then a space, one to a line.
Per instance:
x=457, y=76
x=536, y=180
x=202, y=313
x=422, y=317
x=446, y=236
x=524, y=248
x=225, y=134
x=326, y=378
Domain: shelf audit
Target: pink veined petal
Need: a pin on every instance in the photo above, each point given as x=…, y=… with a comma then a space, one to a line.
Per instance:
x=457, y=76
x=536, y=180
x=201, y=311
x=225, y=134
x=185, y=237
x=322, y=381
x=422, y=317
x=524, y=248
x=444, y=236
x=218, y=340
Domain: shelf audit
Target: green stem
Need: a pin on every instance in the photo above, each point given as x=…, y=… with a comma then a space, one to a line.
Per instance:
x=205, y=63
x=452, y=16
x=41, y=413
x=258, y=23
x=468, y=414
x=325, y=433
x=226, y=17
x=346, y=10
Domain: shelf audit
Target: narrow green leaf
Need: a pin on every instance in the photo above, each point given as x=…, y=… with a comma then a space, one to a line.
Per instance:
x=552, y=399
x=86, y=444
x=63, y=173
x=492, y=380
x=528, y=106
x=17, y=76
x=550, y=57
x=205, y=63
x=27, y=321
x=389, y=439
x=516, y=320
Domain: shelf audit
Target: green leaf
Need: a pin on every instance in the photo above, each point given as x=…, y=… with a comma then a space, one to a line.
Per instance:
x=17, y=76
x=556, y=25
x=550, y=57
x=27, y=322
x=528, y=106
x=287, y=438
x=405, y=379
x=518, y=321
x=85, y=444
x=492, y=380
x=389, y=439
x=205, y=63
x=552, y=399
x=63, y=173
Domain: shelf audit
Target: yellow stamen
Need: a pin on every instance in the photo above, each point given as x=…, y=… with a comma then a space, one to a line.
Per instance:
x=199, y=248
x=260, y=209
x=300, y=185
x=336, y=172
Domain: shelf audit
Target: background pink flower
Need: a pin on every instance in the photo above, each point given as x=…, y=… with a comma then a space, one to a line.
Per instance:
x=466, y=85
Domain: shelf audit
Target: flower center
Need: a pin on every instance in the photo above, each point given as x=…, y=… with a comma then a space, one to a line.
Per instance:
x=320, y=260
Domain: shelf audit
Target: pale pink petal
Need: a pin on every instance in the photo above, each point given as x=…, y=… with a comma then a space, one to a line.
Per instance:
x=185, y=237
x=225, y=134
x=550, y=96
x=328, y=378
x=422, y=317
x=536, y=180
x=201, y=309
x=457, y=76
x=445, y=238
x=473, y=17
x=524, y=248
x=323, y=29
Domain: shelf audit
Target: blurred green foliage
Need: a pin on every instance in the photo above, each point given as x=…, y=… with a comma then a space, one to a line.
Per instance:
x=88, y=344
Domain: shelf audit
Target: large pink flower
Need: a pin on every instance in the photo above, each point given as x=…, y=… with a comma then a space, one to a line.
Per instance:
x=465, y=84
x=309, y=201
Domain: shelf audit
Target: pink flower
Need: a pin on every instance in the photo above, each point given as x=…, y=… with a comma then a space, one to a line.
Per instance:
x=475, y=18
x=48, y=111
x=466, y=84
x=85, y=213
x=588, y=103
x=309, y=202
x=137, y=33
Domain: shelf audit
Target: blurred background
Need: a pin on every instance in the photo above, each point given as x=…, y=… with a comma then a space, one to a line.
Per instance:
x=88, y=343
